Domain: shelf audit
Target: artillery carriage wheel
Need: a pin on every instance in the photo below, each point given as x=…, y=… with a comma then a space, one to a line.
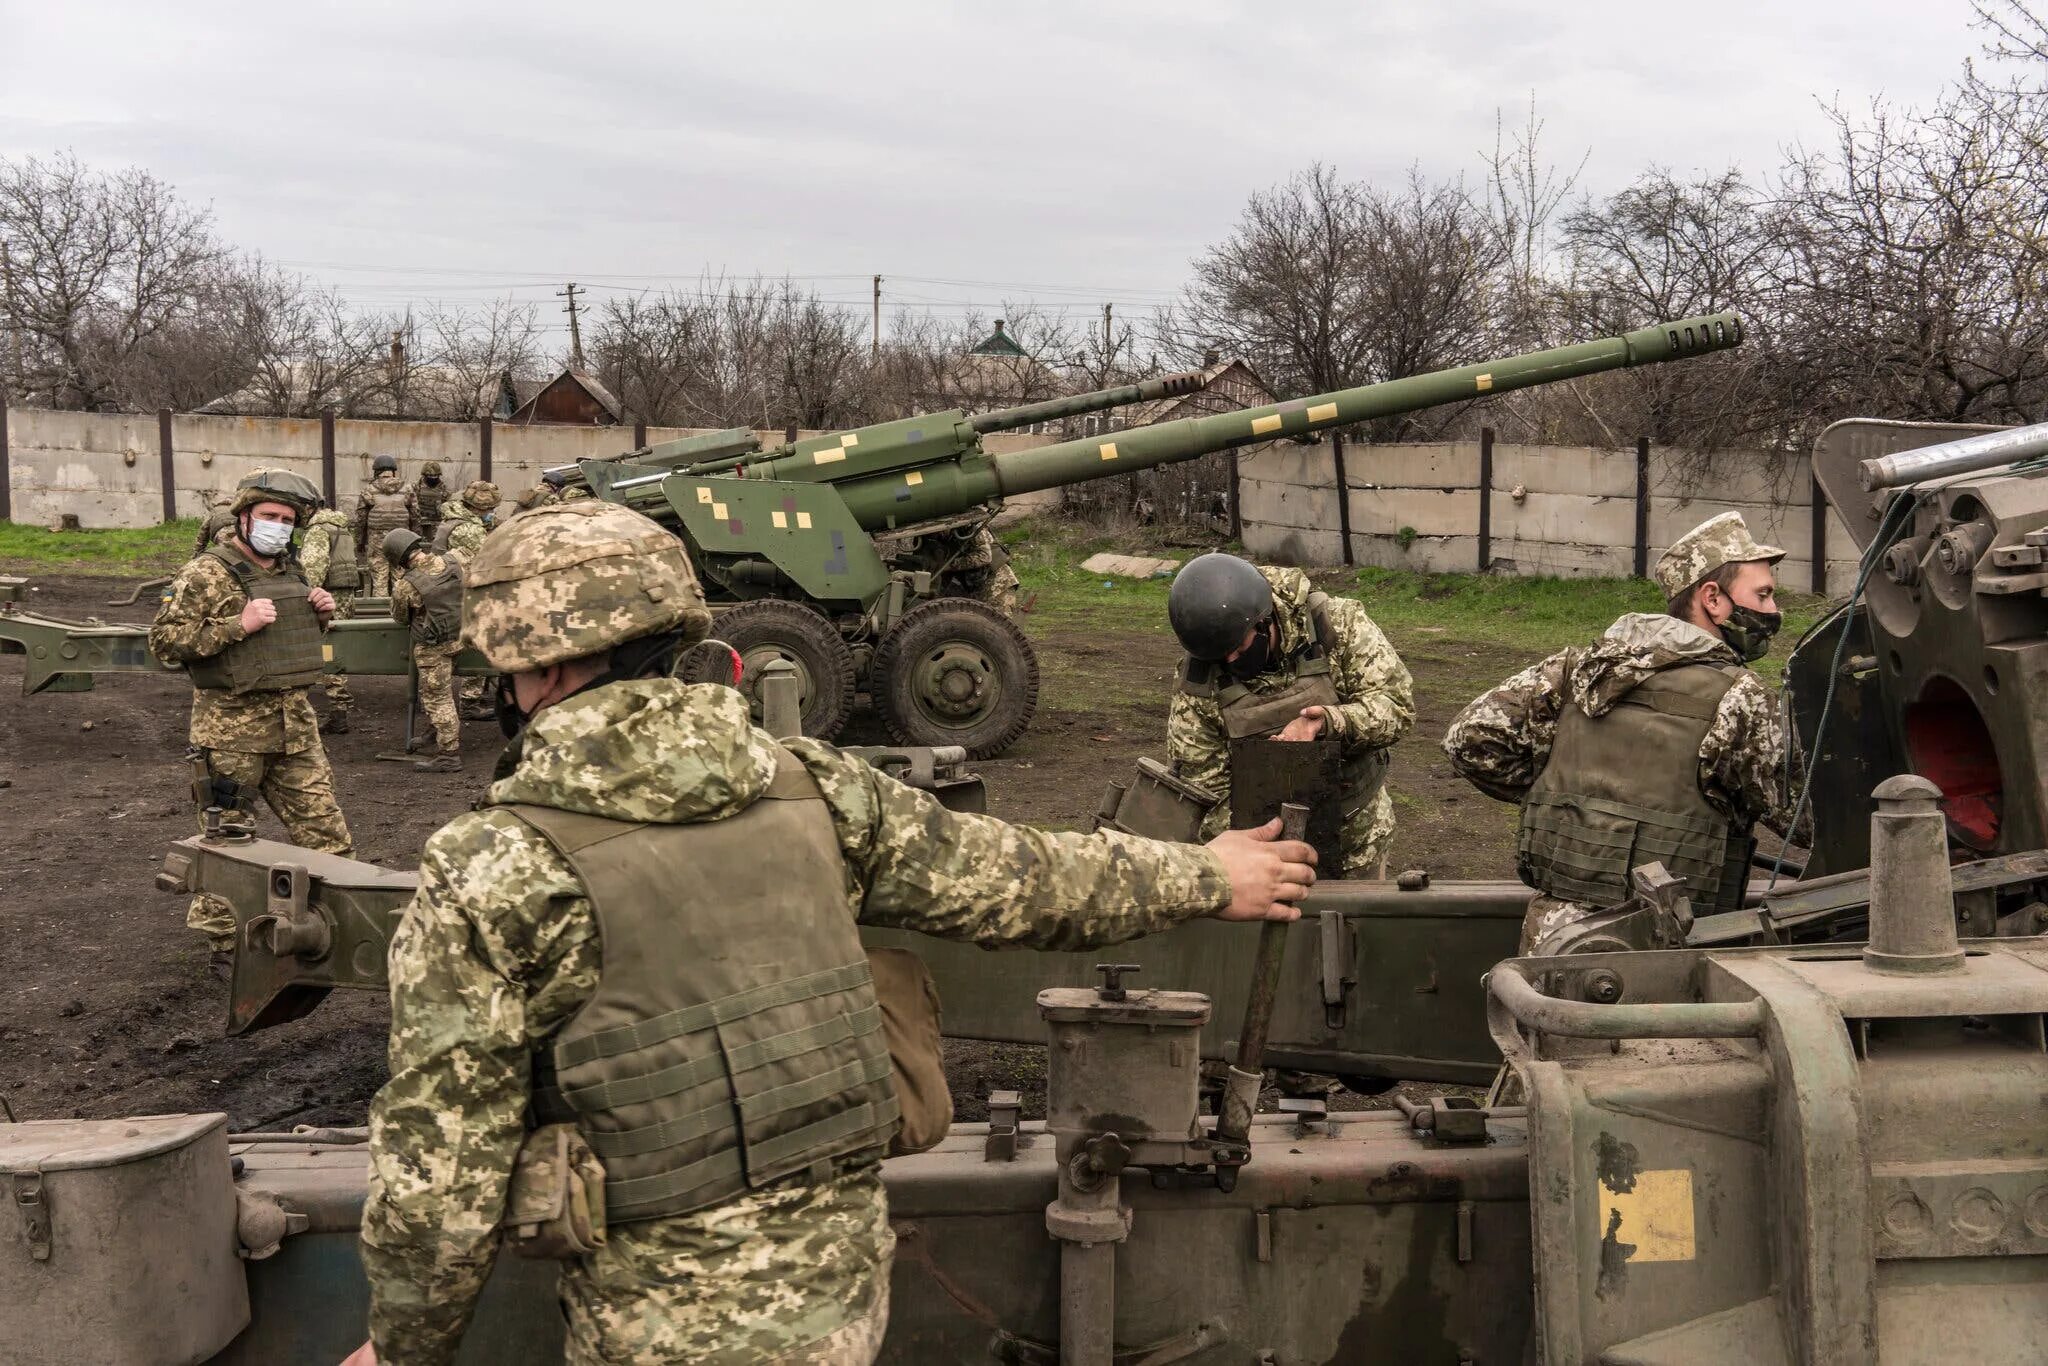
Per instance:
x=955, y=672
x=771, y=629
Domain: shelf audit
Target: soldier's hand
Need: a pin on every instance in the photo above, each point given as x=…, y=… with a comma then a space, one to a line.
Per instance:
x=365, y=1355
x=322, y=600
x=258, y=613
x=1306, y=726
x=1268, y=875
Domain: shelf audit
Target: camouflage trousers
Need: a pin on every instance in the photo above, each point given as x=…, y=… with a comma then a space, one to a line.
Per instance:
x=436, y=664
x=300, y=789
x=377, y=570
x=340, y=701
x=1547, y=915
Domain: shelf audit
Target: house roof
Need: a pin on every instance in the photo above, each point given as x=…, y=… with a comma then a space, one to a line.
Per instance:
x=997, y=343
x=1227, y=385
x=582, y=379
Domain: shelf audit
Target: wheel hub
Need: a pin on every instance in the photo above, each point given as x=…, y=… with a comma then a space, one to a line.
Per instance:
x=956, y=684
x=754, y=660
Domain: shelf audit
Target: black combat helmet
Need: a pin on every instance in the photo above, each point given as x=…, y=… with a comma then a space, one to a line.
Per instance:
x=1215, y=601
x=400, y=542
x=383, y=463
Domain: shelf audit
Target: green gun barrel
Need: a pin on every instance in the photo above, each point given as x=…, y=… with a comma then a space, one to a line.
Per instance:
x=1073, y=405
x=904, y=496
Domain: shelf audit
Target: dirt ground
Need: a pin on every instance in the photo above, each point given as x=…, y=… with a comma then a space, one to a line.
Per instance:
x=109, y=1007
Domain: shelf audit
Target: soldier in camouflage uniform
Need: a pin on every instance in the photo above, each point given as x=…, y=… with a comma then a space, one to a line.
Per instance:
x=385, y=505
x=327, y=555
x=218, y=519
x=430, y=495
x=426, y=594
x=984, y=574
x=247, y=628
x=633, y=812
x=540, y=495
x=1653, y=743
x=1267, y=655
x=461, y=533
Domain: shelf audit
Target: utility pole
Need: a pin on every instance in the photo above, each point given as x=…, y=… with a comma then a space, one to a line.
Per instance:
x=1108, y=342
x=575, y=329
x=875, y=346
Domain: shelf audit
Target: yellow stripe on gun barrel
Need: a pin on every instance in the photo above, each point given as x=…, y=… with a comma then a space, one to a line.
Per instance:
x=1269, y=423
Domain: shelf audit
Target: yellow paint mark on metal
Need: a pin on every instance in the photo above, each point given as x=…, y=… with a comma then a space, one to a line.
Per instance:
x=803, y=521
x=914, y=477
x=828, y=455
x=1655, y=1216
x=1484, y=382
x=718, y=511
x=1323, y=412
x=781, y=520
x=1269, y=423
x=850, y=439
x=703, y=494
x=327, y=654
x=1108, y=449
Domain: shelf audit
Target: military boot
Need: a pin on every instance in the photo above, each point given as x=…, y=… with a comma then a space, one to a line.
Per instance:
x=448, y=761
x=335, y=724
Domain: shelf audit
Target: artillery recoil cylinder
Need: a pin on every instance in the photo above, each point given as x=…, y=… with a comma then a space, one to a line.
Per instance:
x=1967, y=456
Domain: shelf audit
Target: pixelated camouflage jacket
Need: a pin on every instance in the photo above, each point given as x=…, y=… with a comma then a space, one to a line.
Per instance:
x=1502, y=740
x=1376, y=706
x=499, y=949
x=201, y=615
x=316, y=547
x=468, y=529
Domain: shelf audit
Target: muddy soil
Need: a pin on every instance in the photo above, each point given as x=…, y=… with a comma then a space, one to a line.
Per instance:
x=107, y=1004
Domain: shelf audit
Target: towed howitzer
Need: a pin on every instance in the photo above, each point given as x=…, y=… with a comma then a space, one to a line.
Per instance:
x=1767, y=1155
x=834, y=550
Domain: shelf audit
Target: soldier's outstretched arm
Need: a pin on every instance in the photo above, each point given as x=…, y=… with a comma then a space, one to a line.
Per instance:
x=1376, y=696
x=497, y=947
x=201, y=615
x=1502, y=739
x=962, y=876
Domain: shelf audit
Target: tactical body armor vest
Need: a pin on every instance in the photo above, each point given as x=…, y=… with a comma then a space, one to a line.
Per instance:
x=288, y=653
x=442, y=534
x=1248, y=714
x=428, y=498
x=387, y=511
x=734, y=1038
x=438, y=618
x=344, y=573
x=1622, y=789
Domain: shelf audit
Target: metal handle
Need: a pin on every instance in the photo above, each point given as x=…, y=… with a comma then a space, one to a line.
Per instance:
x=1585, y=1020
x=1247, y=1071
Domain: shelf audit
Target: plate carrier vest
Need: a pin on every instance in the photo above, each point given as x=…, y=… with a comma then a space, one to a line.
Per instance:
x=734, y=1039
x=288, y=653
x=438, y=618
x=1622, y=789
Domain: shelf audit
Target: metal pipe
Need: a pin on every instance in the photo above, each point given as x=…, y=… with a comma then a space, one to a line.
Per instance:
x=1972, y=453
x=1248, y=1069
x=1583, y=1020
x=1052, y=409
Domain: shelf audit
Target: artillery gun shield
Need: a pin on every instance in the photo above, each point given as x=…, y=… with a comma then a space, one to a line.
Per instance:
x=1265, y=773
x=765, y=533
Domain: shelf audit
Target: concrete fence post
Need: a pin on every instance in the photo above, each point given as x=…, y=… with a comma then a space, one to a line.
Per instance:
x=6, y=467
x=1819, y=545
x=327, y=453
x=483, y=447
x=1343, y=493
x=1485, y=499
x=1642, y=507
x=167, y=474
x=639, y=433
x=1236, y=502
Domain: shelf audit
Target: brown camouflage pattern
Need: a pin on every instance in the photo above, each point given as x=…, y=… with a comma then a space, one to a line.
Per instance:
x=499, y=949
x=299, y=789
x=574, y=579
x=1722, y=539
x=480, y=495
x=1376, y=708
x=1502, y=739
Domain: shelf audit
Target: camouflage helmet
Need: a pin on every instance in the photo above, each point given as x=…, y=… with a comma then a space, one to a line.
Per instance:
x=574, y=579
x=480, y=496
x=431, y=470
x=1718, y=541
x=383, y=464
x=400, y=542
x=1215, y=601
x=295, y=491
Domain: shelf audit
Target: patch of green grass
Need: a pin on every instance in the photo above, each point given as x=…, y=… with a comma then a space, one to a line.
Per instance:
x=1419, y=611
x=113, y=552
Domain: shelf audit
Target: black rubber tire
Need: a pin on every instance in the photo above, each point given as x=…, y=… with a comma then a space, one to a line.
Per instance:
x=772, y=627
x=985, y=643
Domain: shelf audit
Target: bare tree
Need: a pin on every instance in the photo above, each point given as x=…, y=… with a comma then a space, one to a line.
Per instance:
x=304, y=347
x=98, y=266
x=472, y=352
x=1524, y=194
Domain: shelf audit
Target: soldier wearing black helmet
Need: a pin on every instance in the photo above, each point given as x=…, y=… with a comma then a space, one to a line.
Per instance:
x=1267, y=655
x=243, y=622
x=426, y=594
x=384, y=505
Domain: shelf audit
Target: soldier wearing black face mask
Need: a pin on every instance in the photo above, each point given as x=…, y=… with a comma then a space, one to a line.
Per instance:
x=1267, y=655
x=1652, y=744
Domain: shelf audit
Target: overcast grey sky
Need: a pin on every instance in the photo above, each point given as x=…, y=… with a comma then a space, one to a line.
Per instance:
x=1046, y=151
